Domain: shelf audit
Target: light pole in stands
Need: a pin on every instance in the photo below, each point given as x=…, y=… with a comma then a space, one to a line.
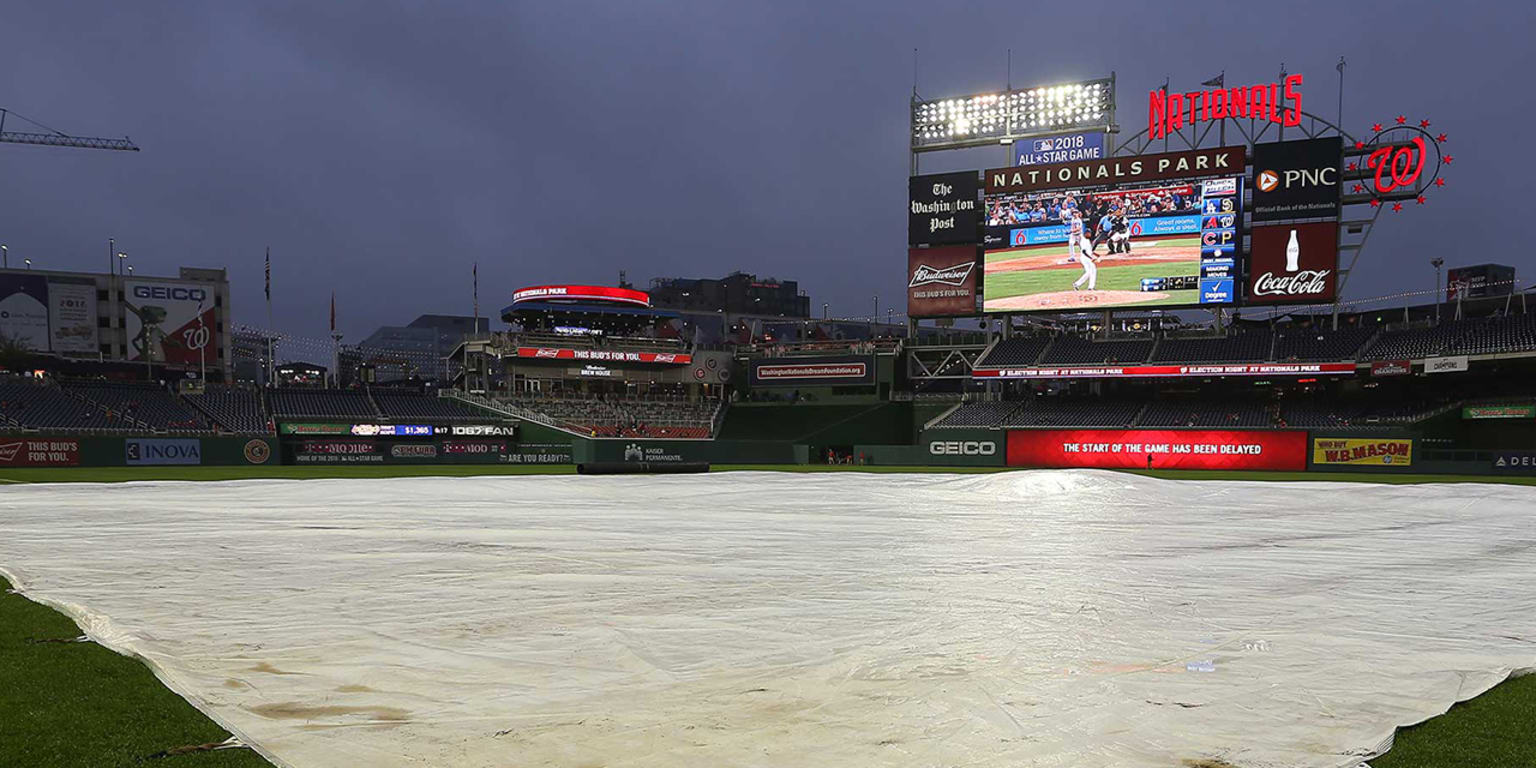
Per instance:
x=5, y=253
x=824, y=310
x=1437, y=262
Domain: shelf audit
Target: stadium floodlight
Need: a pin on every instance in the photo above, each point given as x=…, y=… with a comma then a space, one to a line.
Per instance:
x=991, y=118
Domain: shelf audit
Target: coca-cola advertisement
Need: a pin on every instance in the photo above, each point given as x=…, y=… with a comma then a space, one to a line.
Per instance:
x=1293, y=264
x=943, y=282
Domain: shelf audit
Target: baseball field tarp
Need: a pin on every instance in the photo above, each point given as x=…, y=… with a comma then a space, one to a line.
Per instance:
x=1167, y=449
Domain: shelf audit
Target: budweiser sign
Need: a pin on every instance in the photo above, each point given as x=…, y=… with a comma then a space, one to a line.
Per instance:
x=955, y=275
x=1311, y=283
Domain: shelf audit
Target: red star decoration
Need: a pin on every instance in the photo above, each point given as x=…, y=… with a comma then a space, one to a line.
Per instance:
x=1402, y=119
x=1423, y=123
x=1421, y=199
x=1397, y=206
x=1441, y=137
x=1358, y=188
x=1448, y=158
x=1376, y=127
x=1375, y=203
x=1352, y=166
x=1359, y=145
x=1439, y=182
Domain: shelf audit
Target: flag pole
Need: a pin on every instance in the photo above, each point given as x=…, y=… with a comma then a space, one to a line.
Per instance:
x=271, y=363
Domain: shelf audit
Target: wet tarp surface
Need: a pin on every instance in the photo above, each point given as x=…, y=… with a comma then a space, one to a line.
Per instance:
x=1071, y=618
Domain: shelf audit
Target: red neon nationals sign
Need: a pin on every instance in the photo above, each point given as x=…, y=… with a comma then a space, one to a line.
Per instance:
x=1172, y=111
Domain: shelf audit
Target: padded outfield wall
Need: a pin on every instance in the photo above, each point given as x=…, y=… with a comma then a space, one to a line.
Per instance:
x=28, y=450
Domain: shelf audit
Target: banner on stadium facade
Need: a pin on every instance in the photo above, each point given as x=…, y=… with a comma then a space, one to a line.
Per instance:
x=618, y=356
x=1498, y=412
x=813, y=371
x=1167, y=371
x=41, y=452
x=943, y=281
x=1450, y=364
x=1362, y=452
x=1065, y=148
x=1391, y=368
x=72, y=316
x=1297, y=179
x=1293, y=264
x=153, y=451
x=1157, y=449
x=24, y=310
x=171, y=321
x=943, y=208
x=1219, y=161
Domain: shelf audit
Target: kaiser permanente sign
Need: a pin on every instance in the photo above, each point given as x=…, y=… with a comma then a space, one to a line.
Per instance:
x=1168, y=371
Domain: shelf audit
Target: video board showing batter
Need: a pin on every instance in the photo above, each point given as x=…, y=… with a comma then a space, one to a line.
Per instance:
x=1160, y=241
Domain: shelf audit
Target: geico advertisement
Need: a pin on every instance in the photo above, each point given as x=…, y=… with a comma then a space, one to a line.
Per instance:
x=171, y=322
x=1394, y=453
x=1157, y=449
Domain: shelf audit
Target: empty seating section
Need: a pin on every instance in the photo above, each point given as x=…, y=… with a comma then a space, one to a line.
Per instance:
x=1075, y=350
x=1320, y=345
x=31, y=405
x=1205, y=413
x=232, y=409
x=988, y=414
x=1017, y=351
x=627, y=417
x=1411, y=343
x=320, y=403
x=411, y=405
x=1249, y=346
x=1072, y=412
x=147, y=403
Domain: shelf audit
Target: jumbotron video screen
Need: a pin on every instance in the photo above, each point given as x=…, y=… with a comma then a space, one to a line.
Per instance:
x=1164, y=243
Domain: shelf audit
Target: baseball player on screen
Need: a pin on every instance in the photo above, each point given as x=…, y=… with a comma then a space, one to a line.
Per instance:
x=1080, y=247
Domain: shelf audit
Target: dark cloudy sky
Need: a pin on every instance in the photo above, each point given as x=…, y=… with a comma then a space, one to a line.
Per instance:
x=381, y=148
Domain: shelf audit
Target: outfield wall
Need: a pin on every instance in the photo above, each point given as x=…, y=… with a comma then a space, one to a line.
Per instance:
x=95, y=451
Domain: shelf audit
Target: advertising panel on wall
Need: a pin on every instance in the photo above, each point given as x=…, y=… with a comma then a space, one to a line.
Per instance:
x=1452, y=364
x=1167, y=371
x=39, y=452
x=609, y=355
x=943, y=282
x=1166, y=449
x=1391, y=368
x=1362, y=452
x=72, y=316
x=170, y=321
x=1155, y=231
x=24, y=310
x=1498, y=412
x=1514, y=461
x=851, y=370
x=153, y=451
x=943, y=208
x=1065, y=148
x=1297, y=179
x=1293, y=264
x=338, y=452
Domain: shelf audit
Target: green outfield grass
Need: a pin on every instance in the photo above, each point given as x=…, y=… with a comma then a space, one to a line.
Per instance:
x=78, y=704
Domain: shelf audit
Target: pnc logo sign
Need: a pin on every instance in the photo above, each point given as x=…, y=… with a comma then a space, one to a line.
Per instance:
x=1301, y=178
x=962, y=448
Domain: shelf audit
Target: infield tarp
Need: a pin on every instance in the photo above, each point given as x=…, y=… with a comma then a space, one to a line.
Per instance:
x=1058, y=618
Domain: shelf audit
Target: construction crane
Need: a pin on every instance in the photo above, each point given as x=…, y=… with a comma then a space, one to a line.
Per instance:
x=56, y=138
